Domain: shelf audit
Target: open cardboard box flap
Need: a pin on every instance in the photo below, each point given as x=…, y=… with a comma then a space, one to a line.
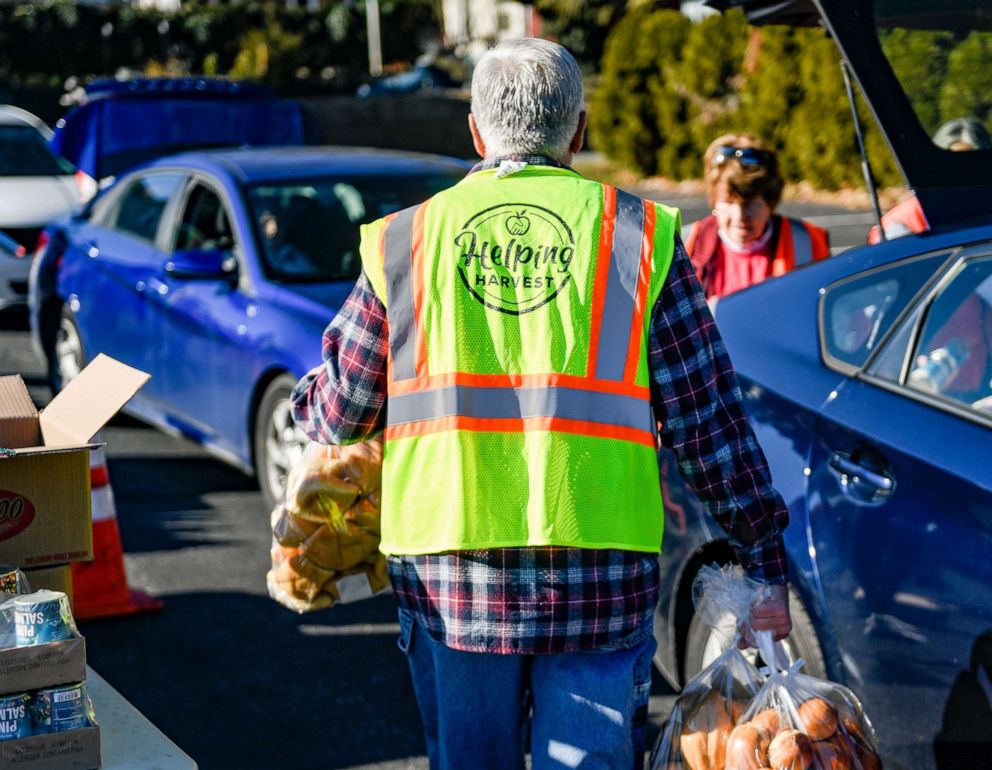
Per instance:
x=74, y=416
x=18, y=417
x=88, y=402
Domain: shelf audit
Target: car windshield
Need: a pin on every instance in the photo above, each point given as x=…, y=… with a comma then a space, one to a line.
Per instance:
x=942, y=55
x=23, y=152
x=308, y=229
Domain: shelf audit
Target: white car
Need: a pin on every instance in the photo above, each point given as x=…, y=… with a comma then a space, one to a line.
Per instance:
x=36, y=185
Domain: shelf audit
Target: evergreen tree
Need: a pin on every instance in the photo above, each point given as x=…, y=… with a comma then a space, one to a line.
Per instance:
x=967, y=87
x=623, y=123
x=919, y=59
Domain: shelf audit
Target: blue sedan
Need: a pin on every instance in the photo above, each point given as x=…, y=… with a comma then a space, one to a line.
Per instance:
x=868, y=381
x=217, y=272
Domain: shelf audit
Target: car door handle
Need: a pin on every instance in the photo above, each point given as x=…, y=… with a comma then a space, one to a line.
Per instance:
x=845, y=465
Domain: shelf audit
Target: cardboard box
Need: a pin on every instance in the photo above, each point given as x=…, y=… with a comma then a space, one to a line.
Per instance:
x=44, y=665
x=75, y=750
x=45, y=484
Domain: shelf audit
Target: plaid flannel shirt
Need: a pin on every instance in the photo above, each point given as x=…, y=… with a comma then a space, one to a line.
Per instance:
x=563, y=599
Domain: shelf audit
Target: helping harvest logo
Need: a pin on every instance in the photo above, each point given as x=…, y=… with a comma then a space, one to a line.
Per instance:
x=515, y=257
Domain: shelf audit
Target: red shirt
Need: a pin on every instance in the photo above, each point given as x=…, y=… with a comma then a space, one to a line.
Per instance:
x=723, y=268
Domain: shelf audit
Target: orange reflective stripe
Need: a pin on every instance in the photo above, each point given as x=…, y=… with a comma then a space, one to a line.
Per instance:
x=517, y=381
x=606, y=226
x=690, y=237
x=621, y=287
x=518, y=425
x=520, y=403
x=641, y=298
x=782, y=262
x=382, y=234
x=417, y=271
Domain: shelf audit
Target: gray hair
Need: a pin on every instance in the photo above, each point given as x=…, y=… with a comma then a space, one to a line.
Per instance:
x=526, y=98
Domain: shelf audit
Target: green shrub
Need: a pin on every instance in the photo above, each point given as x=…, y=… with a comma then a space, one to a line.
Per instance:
x=967, y=88
x=668, y=87
x=623, y=121
x=53, y=41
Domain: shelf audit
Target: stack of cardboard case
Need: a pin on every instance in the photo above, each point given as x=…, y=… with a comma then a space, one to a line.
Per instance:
x=45, y=525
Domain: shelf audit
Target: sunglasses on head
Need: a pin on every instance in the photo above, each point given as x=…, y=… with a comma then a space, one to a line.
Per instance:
x=746, y=156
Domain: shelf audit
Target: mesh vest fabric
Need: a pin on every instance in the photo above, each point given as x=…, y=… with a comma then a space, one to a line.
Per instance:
x=518, y=408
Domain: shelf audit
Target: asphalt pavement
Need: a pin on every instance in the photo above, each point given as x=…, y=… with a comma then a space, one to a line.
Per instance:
x=234, y=679
x=231, y=677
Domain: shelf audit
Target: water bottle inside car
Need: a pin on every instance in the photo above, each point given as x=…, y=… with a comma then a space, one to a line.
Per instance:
x=941, y=365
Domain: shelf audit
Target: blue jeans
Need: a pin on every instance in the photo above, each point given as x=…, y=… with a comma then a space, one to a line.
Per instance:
x=584, y=709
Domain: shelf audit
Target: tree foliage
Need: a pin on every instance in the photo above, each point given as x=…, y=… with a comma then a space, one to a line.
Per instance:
x=50, y=41
x=582, y=26
x=669, y=86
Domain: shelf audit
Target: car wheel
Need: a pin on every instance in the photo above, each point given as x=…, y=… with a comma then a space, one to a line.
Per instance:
x=277, y=441
x=705, y=643
x=67, y=352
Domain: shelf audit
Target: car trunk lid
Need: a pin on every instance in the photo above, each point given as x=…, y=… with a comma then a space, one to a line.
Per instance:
x=953, y=187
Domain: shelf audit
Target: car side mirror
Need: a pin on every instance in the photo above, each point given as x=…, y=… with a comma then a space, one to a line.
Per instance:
x=202, y=265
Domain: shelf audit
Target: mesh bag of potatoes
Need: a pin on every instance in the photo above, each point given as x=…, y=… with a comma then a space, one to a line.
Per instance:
x=697, y=730
x=325, y=535
x=800, y=722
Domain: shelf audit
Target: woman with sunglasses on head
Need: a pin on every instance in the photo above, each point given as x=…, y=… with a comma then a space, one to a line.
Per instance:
x=744, y=241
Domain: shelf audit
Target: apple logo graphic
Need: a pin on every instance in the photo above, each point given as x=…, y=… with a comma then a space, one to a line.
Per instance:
x=517, y=224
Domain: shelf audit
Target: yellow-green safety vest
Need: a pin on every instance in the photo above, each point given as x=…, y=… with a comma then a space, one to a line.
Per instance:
x=518, y=407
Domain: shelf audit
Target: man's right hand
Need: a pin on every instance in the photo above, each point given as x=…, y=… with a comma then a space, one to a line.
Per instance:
x=769, y=614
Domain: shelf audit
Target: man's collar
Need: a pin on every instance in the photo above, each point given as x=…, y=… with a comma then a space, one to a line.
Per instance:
x=530, y=160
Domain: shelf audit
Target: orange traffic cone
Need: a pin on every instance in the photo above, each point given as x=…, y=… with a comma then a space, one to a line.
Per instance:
x=99, y=587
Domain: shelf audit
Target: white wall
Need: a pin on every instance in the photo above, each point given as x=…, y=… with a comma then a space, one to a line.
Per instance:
x=473, y=21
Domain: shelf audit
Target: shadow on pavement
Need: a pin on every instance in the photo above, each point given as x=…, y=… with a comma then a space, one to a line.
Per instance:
x=237, y=681
x=162, y=503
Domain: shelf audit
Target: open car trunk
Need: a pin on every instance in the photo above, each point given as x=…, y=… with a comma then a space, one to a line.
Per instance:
x=953, y=187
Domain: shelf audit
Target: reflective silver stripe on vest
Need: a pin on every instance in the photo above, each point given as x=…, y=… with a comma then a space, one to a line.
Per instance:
x=802, y=246
x=399, y=293
x=564, y=403
x=621, y=288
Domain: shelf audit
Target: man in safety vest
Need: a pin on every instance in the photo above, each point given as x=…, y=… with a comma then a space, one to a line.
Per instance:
x=518, y=337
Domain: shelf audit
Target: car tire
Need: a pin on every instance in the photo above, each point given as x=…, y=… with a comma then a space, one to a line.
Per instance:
x=704, y=643
x=278, y=443
x=68, y=355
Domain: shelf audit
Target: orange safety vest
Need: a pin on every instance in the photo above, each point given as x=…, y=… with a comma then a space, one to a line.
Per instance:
x=905, y=218
x=796, y=243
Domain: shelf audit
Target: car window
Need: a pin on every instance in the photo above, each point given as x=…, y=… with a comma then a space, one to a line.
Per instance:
x=857, y=312
x=309, y=230
x=143, y=204
x=204, y=223
x=953, y=355
x=23, y=152
x=943, y=61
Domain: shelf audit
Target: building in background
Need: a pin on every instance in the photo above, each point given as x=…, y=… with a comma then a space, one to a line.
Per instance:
x=474, y=25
